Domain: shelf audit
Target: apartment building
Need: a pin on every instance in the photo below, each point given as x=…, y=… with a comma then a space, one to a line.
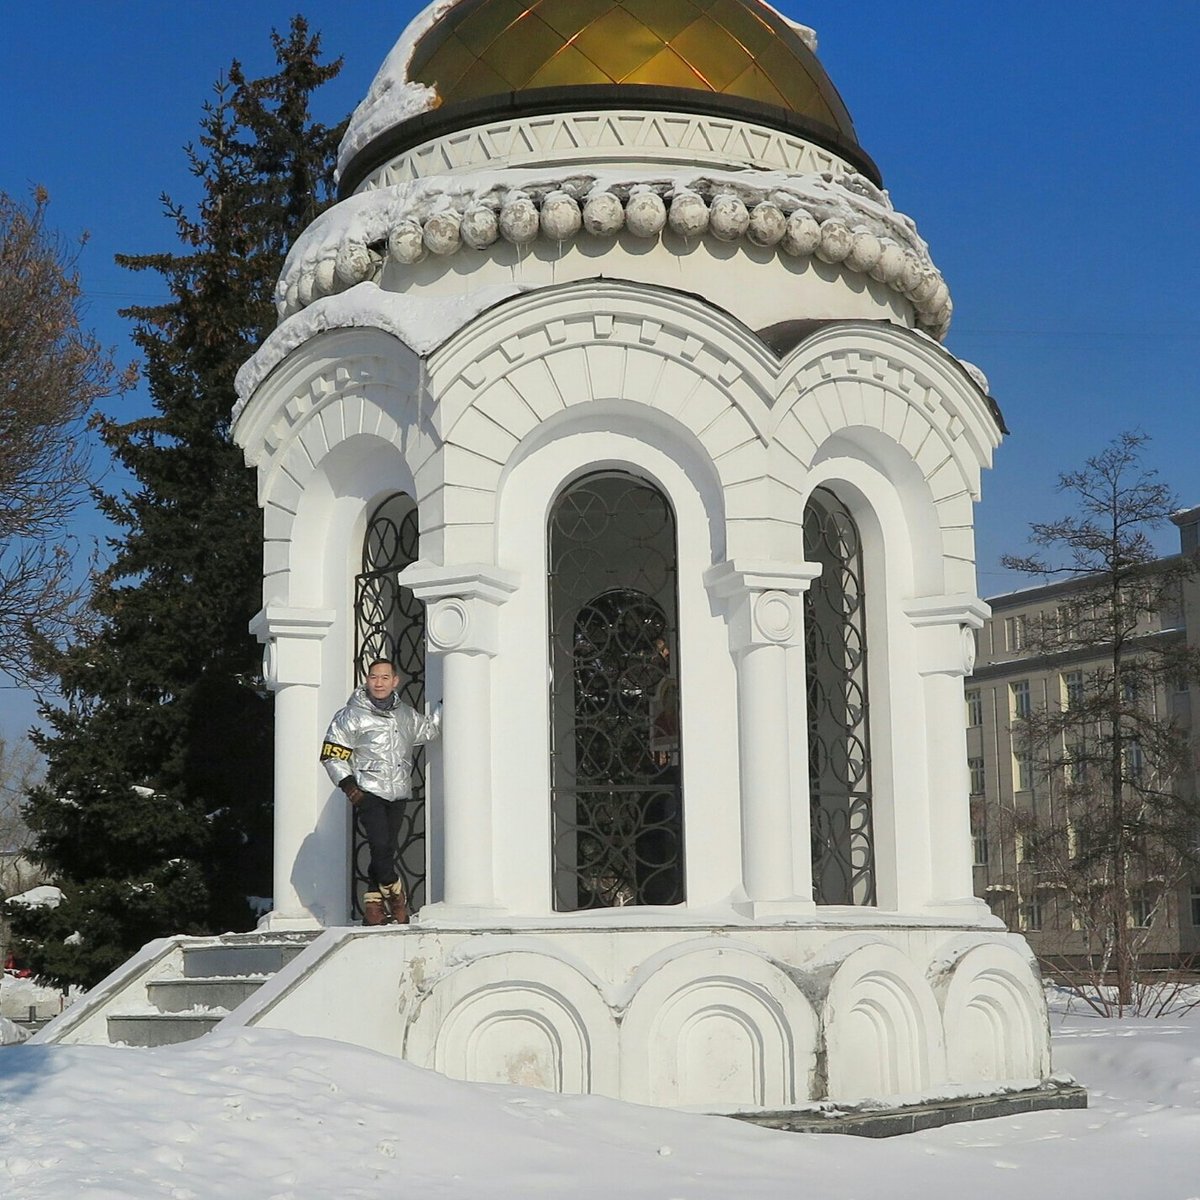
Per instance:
x=1015, y=795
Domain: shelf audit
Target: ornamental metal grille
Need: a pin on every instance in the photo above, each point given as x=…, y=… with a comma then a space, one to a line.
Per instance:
x=839, y=760
x=616, y=797
x=389, y=622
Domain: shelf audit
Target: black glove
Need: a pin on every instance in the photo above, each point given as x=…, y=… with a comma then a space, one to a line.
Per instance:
x=353, y=792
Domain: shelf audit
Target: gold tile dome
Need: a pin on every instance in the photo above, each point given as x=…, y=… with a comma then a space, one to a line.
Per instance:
x=724, y=57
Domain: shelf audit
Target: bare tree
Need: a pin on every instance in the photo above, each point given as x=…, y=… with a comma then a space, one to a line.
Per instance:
x=1113, y=751
x=52, y=373
x=18, y=773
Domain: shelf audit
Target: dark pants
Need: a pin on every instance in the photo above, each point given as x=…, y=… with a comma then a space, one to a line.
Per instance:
x=380, y=821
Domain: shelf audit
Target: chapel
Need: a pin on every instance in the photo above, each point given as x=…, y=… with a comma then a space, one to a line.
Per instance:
x=611, y=402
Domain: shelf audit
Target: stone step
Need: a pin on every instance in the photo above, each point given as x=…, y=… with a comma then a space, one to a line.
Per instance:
x=230, y=959
x=180, y=995
x=160, y=1029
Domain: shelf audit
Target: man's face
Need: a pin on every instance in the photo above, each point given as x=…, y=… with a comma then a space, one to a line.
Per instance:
x=381, y=681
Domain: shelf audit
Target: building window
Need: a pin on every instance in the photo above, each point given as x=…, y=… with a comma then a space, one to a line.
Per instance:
x=839, y=757
x=616, y=799
x=1142, y=905
x=1135, y=760
x=1076, y=764
x=980, y=844
x=974, y=707
x=1022, y=705
x=975, y=767
x=1072, y=683
x=1031, y=914
x=1196, y=905
x=1023, y=762
x=1028, y=844
x=1014, y=634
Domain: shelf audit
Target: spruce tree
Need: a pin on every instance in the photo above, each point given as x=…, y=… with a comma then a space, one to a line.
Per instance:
x=155, y=817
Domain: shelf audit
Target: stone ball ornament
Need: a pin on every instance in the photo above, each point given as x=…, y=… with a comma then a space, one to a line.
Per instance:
x=560, y=218
x=519, y=221
x=480, y=226
x=728, y=219
x=440, y=222
x=688, y=215
x=443, y=233
x=645, y=214
x=406, y=242
x=603, y=214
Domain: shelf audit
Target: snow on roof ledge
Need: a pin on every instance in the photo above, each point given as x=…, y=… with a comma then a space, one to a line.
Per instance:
x=421, y=323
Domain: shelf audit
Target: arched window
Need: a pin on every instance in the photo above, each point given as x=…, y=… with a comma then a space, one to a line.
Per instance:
x=389, y=622
x=839, y=757
x=616, y=791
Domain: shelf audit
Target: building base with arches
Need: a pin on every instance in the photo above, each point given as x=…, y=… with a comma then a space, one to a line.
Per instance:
x=623, y=427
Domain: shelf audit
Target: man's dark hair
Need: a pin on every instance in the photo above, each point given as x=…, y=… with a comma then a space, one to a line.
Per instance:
x=382, y=662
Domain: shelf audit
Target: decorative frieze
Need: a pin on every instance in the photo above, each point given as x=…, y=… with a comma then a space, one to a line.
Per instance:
x=594, y=137
x=841, y=220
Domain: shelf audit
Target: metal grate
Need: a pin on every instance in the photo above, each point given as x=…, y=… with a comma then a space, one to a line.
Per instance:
x=839, y=760
x=389, y=622
x=616, y=795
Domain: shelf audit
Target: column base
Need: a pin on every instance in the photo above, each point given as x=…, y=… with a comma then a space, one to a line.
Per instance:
x=796, y=907
x=445, y=914
x=968, y=909
x=275, y=922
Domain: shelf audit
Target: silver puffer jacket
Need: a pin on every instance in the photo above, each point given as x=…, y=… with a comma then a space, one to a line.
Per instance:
x=375, y=745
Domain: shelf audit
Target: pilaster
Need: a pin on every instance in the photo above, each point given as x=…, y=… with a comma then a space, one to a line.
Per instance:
x=944, y=633
x=461, y=624
x=764, y=607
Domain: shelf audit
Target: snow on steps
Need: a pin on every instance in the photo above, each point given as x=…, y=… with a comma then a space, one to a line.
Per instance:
x=176, y=989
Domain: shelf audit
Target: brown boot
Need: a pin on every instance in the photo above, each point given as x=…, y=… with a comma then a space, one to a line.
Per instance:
x=397, y=901
x=374, y=911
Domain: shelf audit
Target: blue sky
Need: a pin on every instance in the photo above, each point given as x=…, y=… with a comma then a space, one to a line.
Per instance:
x=1048, y=152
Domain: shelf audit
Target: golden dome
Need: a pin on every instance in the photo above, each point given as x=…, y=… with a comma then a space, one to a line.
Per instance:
x=739, y=58
x=727, y=47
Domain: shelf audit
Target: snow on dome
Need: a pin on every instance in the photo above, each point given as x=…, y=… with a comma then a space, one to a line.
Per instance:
x=805, y=33
x=392, y=97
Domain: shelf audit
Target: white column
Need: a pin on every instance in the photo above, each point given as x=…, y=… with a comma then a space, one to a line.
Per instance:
x=764, y=608
x=461, y=625
x=944, y=627
x=310, y=854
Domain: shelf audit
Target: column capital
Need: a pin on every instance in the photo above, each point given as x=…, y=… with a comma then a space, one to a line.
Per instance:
x=959, y=609
x=945, y=627
x=468, y=581
x=292, y=637
x=461, y=604
x=279, y=620
x=736, y=577
x=763, y=600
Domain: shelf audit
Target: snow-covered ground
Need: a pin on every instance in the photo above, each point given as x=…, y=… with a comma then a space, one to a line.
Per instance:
x=259, y=1115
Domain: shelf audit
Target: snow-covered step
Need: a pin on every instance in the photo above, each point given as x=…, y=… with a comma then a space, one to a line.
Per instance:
x=161, y=1029
x=180, y=995
x=229, y=958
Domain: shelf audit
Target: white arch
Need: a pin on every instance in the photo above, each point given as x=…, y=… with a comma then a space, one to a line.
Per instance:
x=579, y=442
x=717, y=1019
x=882, y=1027
x=522, y=1017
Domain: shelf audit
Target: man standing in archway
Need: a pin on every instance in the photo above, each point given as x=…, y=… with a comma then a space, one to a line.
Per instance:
x=368, y=753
